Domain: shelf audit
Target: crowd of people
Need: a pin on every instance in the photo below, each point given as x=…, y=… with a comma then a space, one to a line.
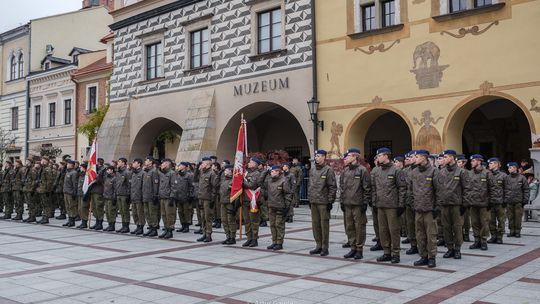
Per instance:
x=431, y=200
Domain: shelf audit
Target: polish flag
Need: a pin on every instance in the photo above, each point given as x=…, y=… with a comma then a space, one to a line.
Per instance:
x=91, y=173
x=239, y=162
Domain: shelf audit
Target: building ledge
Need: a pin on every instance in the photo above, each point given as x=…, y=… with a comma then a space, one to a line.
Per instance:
x=469, y=12
x=384, y=30
x=268, y=55
x=204, y=68
x=20, y=79
x=157, y=79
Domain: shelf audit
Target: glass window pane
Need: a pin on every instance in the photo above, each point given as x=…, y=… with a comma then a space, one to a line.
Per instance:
x=196, y=61
x=196, y=37
x=196, y=49
x=205, y=59
x=205, y=46
x=159, y=60
x=276, y=43
x=276, y=16
x=276, y=29
x=264, y=46
x=205, y=35
x=264, y=19
x=264, y=32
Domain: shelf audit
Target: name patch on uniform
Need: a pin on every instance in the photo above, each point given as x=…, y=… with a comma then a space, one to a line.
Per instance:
x=357, y=176
x=483, y=180
x=156, y=181
x=390, y=176
x=456, y=177
x=176, y=182
x=323, y=176
x=499, y=182
x=280, y=188
x=429, y=178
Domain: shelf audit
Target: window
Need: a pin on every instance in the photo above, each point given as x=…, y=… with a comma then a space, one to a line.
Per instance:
x=92, y=99
x=368, y=17
x=76, y=58
x=37, y=117
x=52, y=114
x=47, y=65
x=21, y=66
x=15, y=118
x=480, y=3
x=153, y=60
x=13, y=71
x=388, y=13
x=67, y=111
x=269, y=31
x=458, y=5
x=200, y=47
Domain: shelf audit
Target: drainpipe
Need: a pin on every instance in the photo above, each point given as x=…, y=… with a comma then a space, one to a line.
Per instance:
x=28, y=105
x=314, y=69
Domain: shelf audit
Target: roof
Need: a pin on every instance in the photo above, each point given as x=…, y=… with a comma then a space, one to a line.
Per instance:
x=96, y=67
x=36, y=73
x=107, y=37
x=55, y=60
x=79, y=50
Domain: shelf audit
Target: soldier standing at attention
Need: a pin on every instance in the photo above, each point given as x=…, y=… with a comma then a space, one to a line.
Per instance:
x=5, y=188
x=410, y=164
x=292, y=185
x=150, y=196
x=136, y=196
x=1, y=183
x=121, y=190
x=28, y=190
x=182, y=193
x=207, y=198
x=497, y=222
x=84, y=202
x=462, y=163
x=322, y=190
x=342, y=206
x=228, y=208
x=451, y=186
x=44, y=189
x=296, y=172
x=422, y=190
x=59, y=191
x=479, y=197
x=399, y=162
x=110, y=198
x=389, y=190
x=252, y=181
x=96, y=195
x=70, y=185
x=168, y=209
x=516, y=195
x=264, y=171
x=17, y=186
x=279, y=203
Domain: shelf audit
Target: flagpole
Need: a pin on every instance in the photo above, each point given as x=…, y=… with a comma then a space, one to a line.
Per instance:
x=242, y=194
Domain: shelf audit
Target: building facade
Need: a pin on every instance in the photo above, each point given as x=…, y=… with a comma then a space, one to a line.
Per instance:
x=429, y=74
x=14, y=55
x=185, y=71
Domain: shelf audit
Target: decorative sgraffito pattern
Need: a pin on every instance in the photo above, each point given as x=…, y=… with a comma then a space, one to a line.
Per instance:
x=230, y=47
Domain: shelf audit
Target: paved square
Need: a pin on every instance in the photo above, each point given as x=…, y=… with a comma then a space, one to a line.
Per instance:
x=53, y=264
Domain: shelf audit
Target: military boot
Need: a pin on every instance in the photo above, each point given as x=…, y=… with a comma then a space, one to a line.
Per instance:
x=441, y=242
x=71, y=222
x=226, y=241
x=278, y=247
x=186, y=229
x=449, y=254
x=99, y=225
x=412, y=250
x=214, y=224
x=492, y=240
x=350, y=254
x=6, y=217
x=315, y=251
x=406, y=241
x=153, y=232
x=44, y=220
x=140, y=230
x=499, y=240
x=263, y=224
x=135, y=231
x=457, y=254
x=208, y=238
x=421, y=262
x=431, y=263
x=218, y=223
x=66, y=224
x=163, y=234
x=466, y=237
x=271, y=246
x=18, y=217
x=111, y=227
x=202, y=238
x=254, y=243
x=384, y=258
x=180, y=229
x=475, y=245
x=511, y=234
x=395, y=259
x=169, y=233
x=31, y=219
x=93, y=226
x=376, y=247
x=346, y=245
x=77, y=218
x=125, y=228
x=325, y=252
x=198, y=231
x=62, y=216
x=232, y=241
x=358, y=255
x=483, y=246
x=83, y=225
x=246, y=243
x=517, y=234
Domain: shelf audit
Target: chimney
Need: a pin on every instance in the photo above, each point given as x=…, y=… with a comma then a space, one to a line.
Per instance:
x=108, y=4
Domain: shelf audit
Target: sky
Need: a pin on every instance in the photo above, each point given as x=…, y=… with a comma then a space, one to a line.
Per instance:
x=19, y=12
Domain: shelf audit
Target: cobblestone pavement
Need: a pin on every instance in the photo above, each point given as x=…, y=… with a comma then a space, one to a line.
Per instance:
x=53, y=264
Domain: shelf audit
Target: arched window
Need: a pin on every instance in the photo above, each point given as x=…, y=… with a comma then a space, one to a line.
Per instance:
x=21, y=65
x=13, y=71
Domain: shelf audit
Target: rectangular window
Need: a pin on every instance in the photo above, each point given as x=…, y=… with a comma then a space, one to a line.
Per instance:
x=368, y=17
x=15, y=118
x=92, y=99
x=269, y=31
x=458, y=5
x=37, y=117
x=200, y=48
x=67, y=111
x=480, y=3
x=52, y=114
x=154, y=60
x=388, y=13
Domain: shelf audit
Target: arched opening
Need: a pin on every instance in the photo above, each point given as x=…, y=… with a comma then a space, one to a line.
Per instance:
x=378, y=128
x=159, y=137
x=491, y=126
x=270, y=127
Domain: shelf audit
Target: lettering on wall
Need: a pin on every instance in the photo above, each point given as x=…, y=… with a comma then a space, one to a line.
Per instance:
x=262, y=86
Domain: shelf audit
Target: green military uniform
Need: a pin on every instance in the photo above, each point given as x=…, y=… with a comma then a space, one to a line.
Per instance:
x=70, y=188
x=409, y=214
x=110, y=200
x=251, y=220
x=296, y=172
x=58, y=195
x=96, y=197
x=44, y=191
x=121, y=190
x=389, y=186
x=150, y=193
x=207, y=198
x=1, y=192
x=322, y=190
x=135, y=195
x=291, y=179
x=5, y=189
x=516, y=195
x=279, y=200
x=217, y=205
x=497, y=222
x=228, y=209
x=168, y=209
x=263, y=207
x=29, y=183
x=181, y=194
x=17, y=187
x=478, y=196
x=82, y=202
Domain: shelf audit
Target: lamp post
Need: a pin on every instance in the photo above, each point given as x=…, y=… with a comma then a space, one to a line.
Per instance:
x=313, y=105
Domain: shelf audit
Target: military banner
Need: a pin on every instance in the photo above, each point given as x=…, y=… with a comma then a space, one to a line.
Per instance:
x=91, y=173
x=239, y=162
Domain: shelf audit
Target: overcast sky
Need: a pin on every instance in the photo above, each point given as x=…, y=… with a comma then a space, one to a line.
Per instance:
x=19, y=12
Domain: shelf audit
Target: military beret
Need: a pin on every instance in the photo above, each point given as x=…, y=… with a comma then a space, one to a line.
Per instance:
x=100, y=159
x=84, y=165
x=461, y=157
x=345, y=154
x=476, y=156
x=449, y=152
x=123, y=159
x=70, y=162
x=149, y=157
x=226, y=161
x=213, y=157
x=353, y=150
x=383, y=151
x=228, y=166
x=185, y=164
x=255, y=159
x=399, y=158
x=286, y=164
x=167, y=160
x=410, y=153
x=8, y=162
x=277, y=168
x=45, y=158
x=512, y=164
x=110, y=167
x=320, y=152
x=494, y=159
x=67, y=156
x=206, y=159
x=421, y=152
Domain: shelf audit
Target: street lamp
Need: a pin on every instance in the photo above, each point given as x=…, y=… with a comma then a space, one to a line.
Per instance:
x=313, y=106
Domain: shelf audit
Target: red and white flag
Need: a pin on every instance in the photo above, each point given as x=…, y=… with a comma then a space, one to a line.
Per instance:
x=91, y=173
x=239, y=162
x=253, y=196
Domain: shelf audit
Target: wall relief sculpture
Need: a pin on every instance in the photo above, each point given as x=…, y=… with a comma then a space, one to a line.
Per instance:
x=428, y=137
x=426, y=65
x=336, y=130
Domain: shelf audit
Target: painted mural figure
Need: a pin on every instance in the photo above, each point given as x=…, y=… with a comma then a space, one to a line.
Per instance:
x=428, y=137
x=336, y=130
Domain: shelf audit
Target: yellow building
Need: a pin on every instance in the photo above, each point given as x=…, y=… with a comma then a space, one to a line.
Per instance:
x=429, y=74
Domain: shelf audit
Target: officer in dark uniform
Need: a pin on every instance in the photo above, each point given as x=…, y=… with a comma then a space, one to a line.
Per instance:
x=479, y=194
x=497, y=222
x=462, y=163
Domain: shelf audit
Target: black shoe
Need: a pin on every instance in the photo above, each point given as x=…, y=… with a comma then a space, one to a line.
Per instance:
x=449, y=254
x=412, y=250
x=77, y=218
x=140, y=230
x=315, y=251
x=346, y=245
x=99, y=225
x=271, y=246
x=475, y=245
x=403, y=233
x=6, y=217
x=226, y=242
x=218, y=224
x=44, y=220
x=153, y=232
x=324, y=252
x=31, y=219
x=483, y=246
x=290, y=220
x=26, y=220
x=111, y=227
x=374, y=239
x=431, y=263
x=208, y=239
x=83, y=225
x=202, y=238
x=150, y=228
x=246, y=243
x=163, y=234
x=421, y=262
x=186, y=229
x=466, y=237
x=278, y=247
x=198, y=231
x=395, y=259
x=263, y=224
x=499, y=241
x=359, y=255
x=440, y=243
x=457, y=254
x=125, y=228
x=492, y=240
x=232, y=241
x=214, y=224
x=350, y=254
x=62, y=216
x=181, y=229
x=384, y=258
x=406, y=241
x=18, y=217
x=376, y=247
x=518, y=234
x=66, y=224
x=254, y=243
x=168, y=234
x=198, y=224
x=511, y=234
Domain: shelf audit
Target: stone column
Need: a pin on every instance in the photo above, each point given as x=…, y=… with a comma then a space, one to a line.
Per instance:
x=535, y=157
